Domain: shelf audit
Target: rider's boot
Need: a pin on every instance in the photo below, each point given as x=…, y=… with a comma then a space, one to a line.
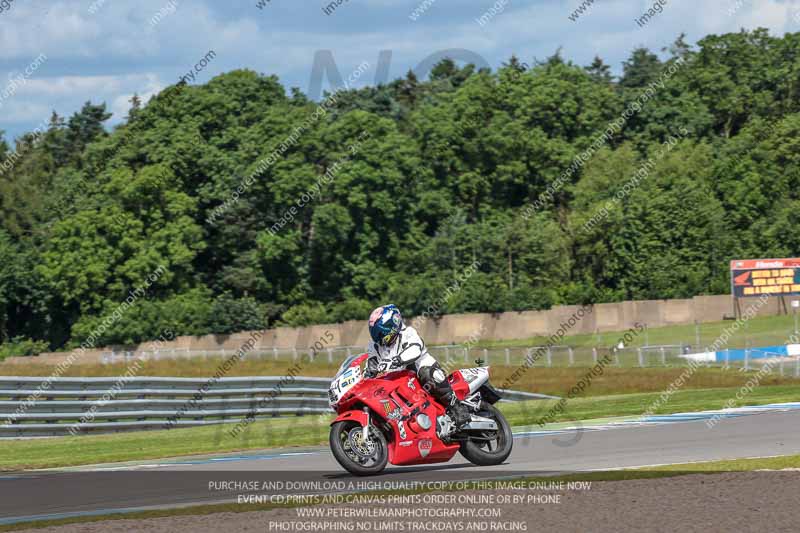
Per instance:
x=457, y=411
x=434, y=380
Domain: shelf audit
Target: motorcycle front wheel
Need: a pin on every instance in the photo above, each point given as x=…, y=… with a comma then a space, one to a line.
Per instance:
x=491, y=447
x=357, y=456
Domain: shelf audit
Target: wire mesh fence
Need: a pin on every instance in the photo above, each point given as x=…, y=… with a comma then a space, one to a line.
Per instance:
x=749, y=345
x=459, y=356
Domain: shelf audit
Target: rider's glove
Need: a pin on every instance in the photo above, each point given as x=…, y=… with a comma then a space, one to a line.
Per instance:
x=388, y=364
x=372, y=368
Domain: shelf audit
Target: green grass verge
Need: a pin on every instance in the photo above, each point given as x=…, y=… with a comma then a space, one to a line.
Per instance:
x=712, y=467
x=556, y=381
x=685, y=400
x=194, y=510
x=759, y=331
x=92, y=449
x=313, y=430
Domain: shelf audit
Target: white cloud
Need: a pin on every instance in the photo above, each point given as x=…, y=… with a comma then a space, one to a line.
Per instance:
x=39, y=96
x=115, y=52
x=24, y=111
x=55, y=87
x=31, y=29
x=146, y=89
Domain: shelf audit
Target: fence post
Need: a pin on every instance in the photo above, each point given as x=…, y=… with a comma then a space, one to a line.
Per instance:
x=663, y=357
x=466, y=354
x=275, y=352
x=697, y=334
x=797, y=367
x=781, y=366
x=486, y=356
x=349, y=353
x=508, y=359
x=594, y=354
x=746, y=359
x=330, y=355
x=446, y=353
x=571, y=356
x=294, y=353
x=727, y=358
x=549, y=357
x=311, y=355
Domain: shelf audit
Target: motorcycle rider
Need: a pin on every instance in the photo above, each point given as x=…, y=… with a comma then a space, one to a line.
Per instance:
x=395, y=345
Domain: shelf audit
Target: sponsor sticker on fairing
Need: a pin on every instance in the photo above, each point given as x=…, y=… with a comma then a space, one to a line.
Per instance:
x=402, y=429
x=424, y=446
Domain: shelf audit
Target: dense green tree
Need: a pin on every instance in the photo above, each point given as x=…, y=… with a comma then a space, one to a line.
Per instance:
x=744, y=75
x=8, y=260
x=465, y=191
x=599, y=71
x=642, y=68
x=229, y=314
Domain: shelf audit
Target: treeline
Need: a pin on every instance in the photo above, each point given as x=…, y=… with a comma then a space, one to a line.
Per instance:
x=391, y=191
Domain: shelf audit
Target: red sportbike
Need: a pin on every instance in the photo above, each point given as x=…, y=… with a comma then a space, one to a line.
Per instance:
x=392, y=418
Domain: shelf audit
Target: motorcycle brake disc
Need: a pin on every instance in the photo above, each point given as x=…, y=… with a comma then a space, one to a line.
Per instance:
x=361, y=447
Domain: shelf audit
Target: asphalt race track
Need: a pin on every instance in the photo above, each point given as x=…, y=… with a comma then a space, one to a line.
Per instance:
x=166, y=483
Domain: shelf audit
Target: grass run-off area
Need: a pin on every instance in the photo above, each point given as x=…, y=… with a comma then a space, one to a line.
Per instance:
x=758, y=331
x=313, y=430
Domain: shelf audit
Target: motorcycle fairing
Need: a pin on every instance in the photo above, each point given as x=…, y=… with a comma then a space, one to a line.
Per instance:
x=402, y=406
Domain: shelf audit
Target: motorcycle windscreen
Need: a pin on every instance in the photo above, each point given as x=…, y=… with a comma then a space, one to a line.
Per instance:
x=349, y=375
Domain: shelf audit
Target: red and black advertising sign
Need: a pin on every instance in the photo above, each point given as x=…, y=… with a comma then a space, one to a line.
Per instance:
x=754, y=277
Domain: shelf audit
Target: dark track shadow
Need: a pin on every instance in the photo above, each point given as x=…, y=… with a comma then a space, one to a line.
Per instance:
x=401, y=470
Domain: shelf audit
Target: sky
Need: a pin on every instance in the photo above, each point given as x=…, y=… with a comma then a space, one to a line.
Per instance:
x=57, y=54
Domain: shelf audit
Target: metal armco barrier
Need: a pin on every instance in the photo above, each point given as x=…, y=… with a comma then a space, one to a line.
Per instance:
x=40, y=406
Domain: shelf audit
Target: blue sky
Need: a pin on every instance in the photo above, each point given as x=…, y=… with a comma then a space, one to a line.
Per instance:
x=109, y=54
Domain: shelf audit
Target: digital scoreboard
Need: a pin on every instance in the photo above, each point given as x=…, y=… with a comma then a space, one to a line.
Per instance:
x=754, y=277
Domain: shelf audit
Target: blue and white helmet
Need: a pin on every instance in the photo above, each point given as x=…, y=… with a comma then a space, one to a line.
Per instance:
x=385, y=323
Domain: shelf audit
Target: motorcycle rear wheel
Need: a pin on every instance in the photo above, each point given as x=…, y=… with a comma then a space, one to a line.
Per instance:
x=357, y=461
x=483, y=453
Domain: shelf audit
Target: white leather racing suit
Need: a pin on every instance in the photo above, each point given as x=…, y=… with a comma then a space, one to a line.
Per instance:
x=406, y=349
x=409, y=349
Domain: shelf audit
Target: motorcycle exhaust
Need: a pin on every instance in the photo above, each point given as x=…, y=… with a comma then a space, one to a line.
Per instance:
x=480, y=423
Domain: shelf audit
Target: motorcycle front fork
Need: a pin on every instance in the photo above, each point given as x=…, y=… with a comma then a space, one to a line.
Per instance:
x=365, y=430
